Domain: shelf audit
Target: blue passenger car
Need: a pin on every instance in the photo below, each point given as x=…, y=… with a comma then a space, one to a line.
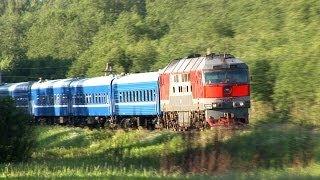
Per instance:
x=51, y=98
x=19, y=92
x=136, y=95
x=91, y=97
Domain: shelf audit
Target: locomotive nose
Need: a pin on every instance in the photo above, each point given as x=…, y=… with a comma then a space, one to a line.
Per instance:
x=227, y=90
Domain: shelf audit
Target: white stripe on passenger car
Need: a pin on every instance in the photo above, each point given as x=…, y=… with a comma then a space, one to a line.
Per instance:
x=91, y=105
x=135, y=103
x=50, y=106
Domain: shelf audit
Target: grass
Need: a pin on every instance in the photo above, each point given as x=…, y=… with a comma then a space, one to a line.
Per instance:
x=264, y=152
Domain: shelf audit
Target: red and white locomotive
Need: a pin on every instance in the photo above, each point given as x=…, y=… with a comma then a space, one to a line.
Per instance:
x=198, y=91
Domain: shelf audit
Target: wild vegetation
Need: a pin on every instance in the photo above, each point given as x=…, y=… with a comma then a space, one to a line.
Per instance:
x=279, y=40
x=17, y=137
x=68, y=38
x=286, y=151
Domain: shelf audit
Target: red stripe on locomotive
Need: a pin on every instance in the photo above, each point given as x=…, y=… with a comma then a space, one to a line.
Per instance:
x=164, y=86
x=219, y=91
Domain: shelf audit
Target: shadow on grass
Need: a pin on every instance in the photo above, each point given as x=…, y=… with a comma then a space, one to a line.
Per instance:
x=209, y=152
x=261, y=148
x=64, y=139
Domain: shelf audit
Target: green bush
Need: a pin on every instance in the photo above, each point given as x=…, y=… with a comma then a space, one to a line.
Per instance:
x=16, y=134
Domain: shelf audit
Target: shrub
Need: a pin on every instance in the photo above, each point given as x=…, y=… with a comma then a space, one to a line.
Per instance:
x=16, y=134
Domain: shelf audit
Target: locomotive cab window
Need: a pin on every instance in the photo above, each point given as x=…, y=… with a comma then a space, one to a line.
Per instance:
x=227, y=76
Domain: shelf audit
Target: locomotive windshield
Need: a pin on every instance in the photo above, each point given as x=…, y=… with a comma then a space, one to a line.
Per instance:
x=227, y=76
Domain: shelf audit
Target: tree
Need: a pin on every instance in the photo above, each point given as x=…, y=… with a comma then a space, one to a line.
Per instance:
x=17, y=138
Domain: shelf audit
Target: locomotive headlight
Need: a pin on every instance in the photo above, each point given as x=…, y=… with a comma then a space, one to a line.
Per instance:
x=208, y=106
x=241, y=103
x=238, y=104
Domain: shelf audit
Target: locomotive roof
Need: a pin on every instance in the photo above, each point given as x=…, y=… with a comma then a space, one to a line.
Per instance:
x=202, y=63
x=137, y=78
x=95, y=81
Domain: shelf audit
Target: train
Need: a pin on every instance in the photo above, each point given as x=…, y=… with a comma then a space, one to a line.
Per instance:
x=195, y=92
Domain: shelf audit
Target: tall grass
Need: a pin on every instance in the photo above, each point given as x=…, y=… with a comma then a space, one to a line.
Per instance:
x=260, y=152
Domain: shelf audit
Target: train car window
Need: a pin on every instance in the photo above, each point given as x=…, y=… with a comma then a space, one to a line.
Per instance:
x=185, y=78
x=144, y=95
x=43, y=100
x=187, y=88
x=138, y=94
x=97, y=102
x=65, y=99
x=173, y=89
x=133, y=96
x=61, y=99
x=176, y=78
x=120, y=96
x=150, y=95
x=148, y=98
x=55, y=99
x=130, y=96
x=75, y=99
x=92, y=98
x=79, y=99
x=154, y=94
x=127, y=96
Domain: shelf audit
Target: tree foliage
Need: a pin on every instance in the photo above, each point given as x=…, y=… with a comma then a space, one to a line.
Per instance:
x=17, y=136
x=279, y=41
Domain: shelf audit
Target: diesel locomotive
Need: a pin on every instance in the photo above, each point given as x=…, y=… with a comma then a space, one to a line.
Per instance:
x=190, y=93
